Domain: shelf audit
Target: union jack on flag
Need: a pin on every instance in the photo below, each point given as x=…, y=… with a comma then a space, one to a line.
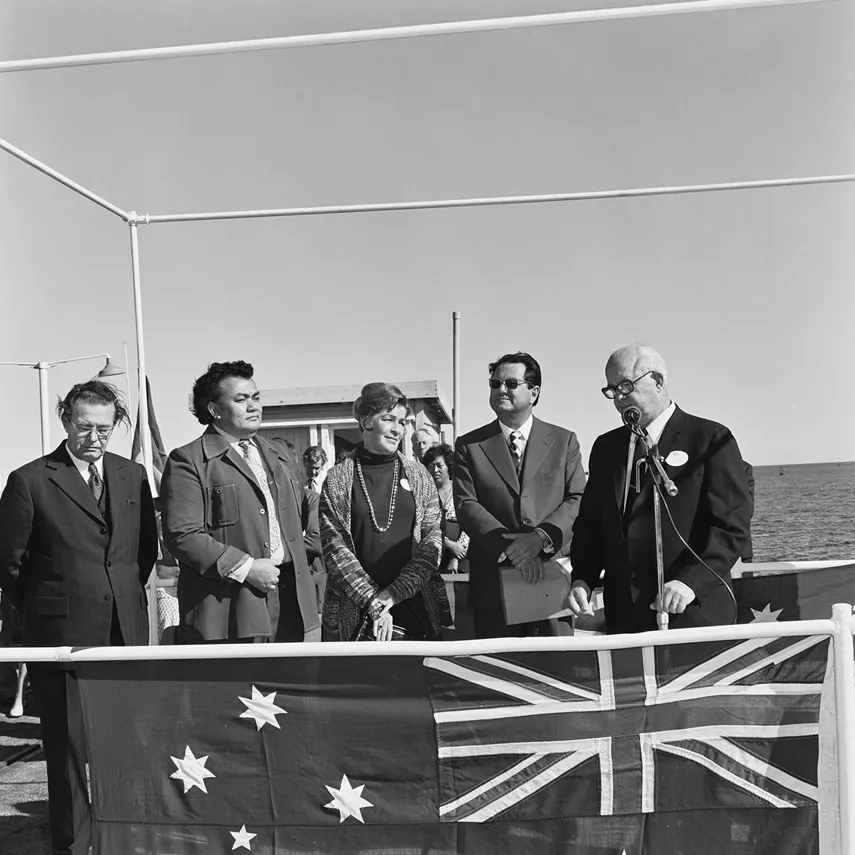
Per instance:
x=629, y=731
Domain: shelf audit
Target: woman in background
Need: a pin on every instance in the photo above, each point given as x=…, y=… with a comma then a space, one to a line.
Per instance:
x=380, y=529
x=439, y=461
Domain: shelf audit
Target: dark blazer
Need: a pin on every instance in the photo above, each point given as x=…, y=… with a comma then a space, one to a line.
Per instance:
x=490, y=500
x=213, y=517
x=60, y=563
x=712, y=511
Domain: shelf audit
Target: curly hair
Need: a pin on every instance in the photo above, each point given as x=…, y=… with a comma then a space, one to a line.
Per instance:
x=315, y=454
x=445, y=451
x=207, y=388
x=92, y=392
x=378, y=398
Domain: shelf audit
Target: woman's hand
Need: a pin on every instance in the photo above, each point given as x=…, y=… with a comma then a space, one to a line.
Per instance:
x=455, y=548
x=383, y=627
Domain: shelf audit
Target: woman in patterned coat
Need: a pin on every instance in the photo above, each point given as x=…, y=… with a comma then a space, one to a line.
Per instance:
x=380, y=530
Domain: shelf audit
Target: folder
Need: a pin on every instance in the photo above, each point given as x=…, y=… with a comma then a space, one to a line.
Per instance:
x=523, y=603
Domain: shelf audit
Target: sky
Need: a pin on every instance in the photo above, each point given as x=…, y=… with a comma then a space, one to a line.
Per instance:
x=748, y=295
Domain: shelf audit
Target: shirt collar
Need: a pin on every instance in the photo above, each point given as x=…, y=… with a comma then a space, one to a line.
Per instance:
x=83, y=465
x=524, y=429
x=232, y=440
x=655, y=428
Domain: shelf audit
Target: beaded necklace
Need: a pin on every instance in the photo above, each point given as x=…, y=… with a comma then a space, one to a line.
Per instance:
x=374, y=524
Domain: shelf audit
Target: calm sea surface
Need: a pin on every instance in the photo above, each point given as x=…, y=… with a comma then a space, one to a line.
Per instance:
x=804, y=512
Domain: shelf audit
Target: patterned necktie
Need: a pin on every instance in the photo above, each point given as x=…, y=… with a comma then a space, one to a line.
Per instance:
x=515, y=445
x=253, y=459
x=96, y=485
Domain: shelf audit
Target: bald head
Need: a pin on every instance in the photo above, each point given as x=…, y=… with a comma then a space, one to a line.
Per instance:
x=645, y=368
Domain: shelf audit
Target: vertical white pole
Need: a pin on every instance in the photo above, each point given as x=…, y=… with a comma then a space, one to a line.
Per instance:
x=844, y=695
x=128, y=380
x=145, y=435
x=455, y=392
x=44, y=405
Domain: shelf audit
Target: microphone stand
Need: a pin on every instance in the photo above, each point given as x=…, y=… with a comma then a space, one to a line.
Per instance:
x=660, y=478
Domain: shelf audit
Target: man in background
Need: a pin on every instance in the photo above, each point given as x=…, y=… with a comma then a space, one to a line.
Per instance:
x=423, y=439
x=615, y=533
x=314, y=462
x=78, y=540
x=517, y=486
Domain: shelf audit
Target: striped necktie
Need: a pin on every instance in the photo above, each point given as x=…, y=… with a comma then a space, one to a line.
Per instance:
x=515, y=445
x=96, y=485
x=253, y=460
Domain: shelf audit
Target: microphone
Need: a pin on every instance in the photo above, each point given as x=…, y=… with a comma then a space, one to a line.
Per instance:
x=631, y=417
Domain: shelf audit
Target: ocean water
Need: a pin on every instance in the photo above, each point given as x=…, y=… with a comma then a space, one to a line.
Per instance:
x=804, y=512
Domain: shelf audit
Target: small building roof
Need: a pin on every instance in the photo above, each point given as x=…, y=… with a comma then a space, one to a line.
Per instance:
x=296, y=396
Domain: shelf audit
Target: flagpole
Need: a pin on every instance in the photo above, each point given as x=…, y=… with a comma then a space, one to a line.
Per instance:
x=142, y=418
x=455, y=358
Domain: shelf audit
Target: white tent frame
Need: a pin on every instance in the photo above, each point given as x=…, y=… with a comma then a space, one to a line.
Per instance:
x=134, y=220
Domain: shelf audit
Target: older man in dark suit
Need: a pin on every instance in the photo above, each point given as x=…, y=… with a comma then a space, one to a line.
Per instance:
x=232, y=516
x=78, y=540
x=517, y=485
x=614, y=532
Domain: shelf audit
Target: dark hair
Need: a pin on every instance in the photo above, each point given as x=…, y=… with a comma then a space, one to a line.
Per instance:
x=532, y=368
x=378, y=398
x=207, y=389
x=315, y=454
x=92, y=392
x=445, y=451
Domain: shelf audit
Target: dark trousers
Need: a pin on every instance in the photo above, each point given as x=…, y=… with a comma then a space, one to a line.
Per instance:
x=64, y=744
x=490, y=623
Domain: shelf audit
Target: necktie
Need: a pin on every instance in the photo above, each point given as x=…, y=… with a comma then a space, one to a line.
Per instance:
x=253, y=459
x=515, y=445
x=96, y=485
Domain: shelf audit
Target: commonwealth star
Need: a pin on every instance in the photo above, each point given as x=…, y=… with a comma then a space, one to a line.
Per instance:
x=347, y=800
x=767, y=615
x=191, y=771
x=261, y=709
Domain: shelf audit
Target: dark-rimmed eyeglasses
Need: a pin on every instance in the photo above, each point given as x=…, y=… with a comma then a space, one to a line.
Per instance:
x=510, y=385
x=625, y=387
x=86, y=430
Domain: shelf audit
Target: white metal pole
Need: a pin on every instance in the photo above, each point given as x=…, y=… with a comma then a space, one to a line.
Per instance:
x=455, y=390
x=495, y=201
x=844, y=694
x=62, y=179
x=142, y=424
x=44, y=405
x=386, y=33
x=128, y=379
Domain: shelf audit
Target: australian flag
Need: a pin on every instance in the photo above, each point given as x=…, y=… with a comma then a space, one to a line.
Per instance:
x=683, y=748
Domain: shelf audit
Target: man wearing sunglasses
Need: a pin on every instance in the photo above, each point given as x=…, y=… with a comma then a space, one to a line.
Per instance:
x=705, y=527
x=517, y=485
x=78, y=540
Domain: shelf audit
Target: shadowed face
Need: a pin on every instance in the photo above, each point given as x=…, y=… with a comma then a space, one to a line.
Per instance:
x=89, y=430
x=238, y=409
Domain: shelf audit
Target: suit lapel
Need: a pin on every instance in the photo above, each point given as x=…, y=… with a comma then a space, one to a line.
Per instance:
x=671, y=433
x=540, y=440
x=620, y=456
x=64, y=475
x=499, y=455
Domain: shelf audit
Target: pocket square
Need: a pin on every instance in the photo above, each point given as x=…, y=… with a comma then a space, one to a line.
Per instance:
x=676, y=458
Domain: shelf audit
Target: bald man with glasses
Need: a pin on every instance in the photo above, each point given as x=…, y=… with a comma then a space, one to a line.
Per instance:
x=78, y=540
x=705, y=526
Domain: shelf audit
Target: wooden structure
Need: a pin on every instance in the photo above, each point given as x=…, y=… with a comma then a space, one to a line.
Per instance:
x=323, y=415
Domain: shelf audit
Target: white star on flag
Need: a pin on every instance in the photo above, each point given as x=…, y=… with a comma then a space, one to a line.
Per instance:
x=347, y=800
x=767, y=615
x=191, y=771
x=242, y=838
x=262, y=709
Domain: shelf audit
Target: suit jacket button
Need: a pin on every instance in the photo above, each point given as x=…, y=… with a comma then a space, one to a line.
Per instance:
x=266, y=543
x=108, y=597
x=103, y=531
x=261, y=510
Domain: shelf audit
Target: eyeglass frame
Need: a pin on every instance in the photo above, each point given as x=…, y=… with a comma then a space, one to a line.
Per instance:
x=86, y=432
x=517, y=383
x=617, y=386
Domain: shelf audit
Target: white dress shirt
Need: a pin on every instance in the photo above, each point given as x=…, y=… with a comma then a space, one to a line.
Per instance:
x=83, y=465
x=654, y=431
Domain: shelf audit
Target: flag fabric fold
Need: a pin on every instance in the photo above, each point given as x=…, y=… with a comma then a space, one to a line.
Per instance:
x=694, y=749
